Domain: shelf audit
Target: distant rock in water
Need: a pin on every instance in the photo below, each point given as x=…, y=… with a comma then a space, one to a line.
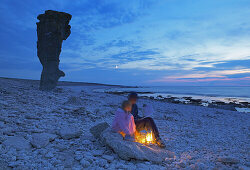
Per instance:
x=53, y=27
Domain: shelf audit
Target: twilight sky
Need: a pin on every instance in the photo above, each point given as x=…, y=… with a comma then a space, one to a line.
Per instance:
x=134, y=42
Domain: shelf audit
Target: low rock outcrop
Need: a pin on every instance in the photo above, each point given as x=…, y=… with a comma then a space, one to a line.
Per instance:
x=40, y=140
x=130, y=150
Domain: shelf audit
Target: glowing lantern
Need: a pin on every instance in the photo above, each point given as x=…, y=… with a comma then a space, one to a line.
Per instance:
x=145, y=137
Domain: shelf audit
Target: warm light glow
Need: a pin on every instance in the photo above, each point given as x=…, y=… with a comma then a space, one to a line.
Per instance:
x=123, y=134
x=144, y=138
x=149, y=137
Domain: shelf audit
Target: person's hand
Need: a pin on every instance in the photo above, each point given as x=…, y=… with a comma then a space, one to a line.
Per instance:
x=129, y=138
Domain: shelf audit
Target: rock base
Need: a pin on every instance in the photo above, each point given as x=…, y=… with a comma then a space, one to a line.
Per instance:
x=131, y=150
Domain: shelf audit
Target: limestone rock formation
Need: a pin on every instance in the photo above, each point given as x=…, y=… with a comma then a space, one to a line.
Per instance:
x=53, y=27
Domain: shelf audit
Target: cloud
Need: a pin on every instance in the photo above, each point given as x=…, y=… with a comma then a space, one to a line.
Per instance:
x=167, y=40
x=223, y=75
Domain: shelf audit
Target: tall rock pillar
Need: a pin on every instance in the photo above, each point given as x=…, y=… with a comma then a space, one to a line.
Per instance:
x=53, y=27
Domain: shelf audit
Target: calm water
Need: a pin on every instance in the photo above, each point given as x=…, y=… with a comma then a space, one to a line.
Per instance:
x=197, y=90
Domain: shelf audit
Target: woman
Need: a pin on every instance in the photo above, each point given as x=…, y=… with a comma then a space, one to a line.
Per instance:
x=124, y=123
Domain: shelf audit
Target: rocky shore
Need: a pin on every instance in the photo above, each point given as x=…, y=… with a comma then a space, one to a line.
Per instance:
x=231, y=104
x=50, y=130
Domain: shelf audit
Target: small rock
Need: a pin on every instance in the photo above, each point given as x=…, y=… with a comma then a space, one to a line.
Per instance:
x=85, y=163
x=86, y=142
x=199, y=166
x=16, y=142
x=3, y=164
x=30, y=116
x=61, y=147
x=2, y=124
x=108, y=158
x=74, y=100
x=228, y=160
x=49, y=155
x=40, y=140
x=97, y=152
x=169, y=160
x=78, y=157
x=69, y=133
x=182, y=165
x=98, y=129
x=17, y=163
x=3, y=103
x=102, y=162
x=89, y=157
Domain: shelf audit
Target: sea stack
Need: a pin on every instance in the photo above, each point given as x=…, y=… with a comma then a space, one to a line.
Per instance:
x=53, y=27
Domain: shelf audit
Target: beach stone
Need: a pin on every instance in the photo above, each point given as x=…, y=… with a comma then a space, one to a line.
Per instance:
x=228, y=160
x=74, y=100
x=85, y=163
x=49, y=155
x=30, y=116
x=4, y=165
x=182, y=165
x=132, y=150
x=16, y=142
x=108, y=158
x=97, y=152
x=102, y=162
x=98, y=129
x=2, y=124
x=70, y=132
x=40, y=140
x=198, y=166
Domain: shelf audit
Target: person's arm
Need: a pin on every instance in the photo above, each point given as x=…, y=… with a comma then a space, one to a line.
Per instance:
x=125, y=126
x=132, y=129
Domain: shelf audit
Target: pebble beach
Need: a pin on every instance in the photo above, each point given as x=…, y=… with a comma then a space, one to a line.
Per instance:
x=50, y=130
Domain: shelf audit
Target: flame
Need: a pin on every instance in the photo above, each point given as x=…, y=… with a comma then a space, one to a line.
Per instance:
x=142, y=137
x=145, y=138
x=149, y=137
x=123, y=134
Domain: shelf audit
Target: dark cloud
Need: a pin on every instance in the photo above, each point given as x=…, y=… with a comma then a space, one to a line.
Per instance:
x=233, y=63
x=135, y=55
x=242, y=75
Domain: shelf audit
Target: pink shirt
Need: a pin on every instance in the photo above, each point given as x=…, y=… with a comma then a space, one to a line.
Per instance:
x=124, y=122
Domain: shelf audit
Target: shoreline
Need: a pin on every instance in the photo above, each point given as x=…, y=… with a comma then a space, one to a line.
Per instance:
x=227, y=103
x=68, y=83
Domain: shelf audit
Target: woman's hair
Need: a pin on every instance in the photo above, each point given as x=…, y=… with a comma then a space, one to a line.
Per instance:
x=125, y=104
x=133, y=95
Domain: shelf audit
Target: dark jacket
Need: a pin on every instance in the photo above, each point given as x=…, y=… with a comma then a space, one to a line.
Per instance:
x=134, y=112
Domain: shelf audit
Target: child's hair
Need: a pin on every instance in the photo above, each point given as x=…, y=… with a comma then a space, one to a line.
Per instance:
x=125, y=104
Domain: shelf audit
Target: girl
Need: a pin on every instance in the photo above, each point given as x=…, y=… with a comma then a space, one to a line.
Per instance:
x=124, y=124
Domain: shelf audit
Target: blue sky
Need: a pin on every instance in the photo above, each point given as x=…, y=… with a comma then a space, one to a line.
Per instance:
x=135, y=42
